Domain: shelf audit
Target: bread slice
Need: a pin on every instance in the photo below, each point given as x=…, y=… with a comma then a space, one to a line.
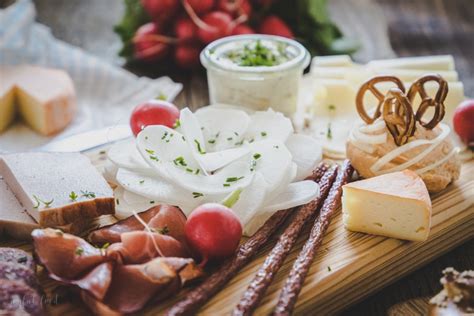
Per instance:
x=57, y=189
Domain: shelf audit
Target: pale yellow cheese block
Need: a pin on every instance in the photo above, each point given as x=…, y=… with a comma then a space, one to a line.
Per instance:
x=394, y=205
x=44, y=98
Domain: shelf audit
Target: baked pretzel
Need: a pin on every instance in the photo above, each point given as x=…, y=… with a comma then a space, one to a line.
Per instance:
x=398, y=116
x=418, y=87
x=370, y=86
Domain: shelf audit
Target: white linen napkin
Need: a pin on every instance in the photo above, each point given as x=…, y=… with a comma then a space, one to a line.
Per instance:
x=106, y=94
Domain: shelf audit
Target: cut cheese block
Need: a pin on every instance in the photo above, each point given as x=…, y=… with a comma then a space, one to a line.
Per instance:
x=43, y=183
x=43, y=98
x=394, y=205
x=14, y=221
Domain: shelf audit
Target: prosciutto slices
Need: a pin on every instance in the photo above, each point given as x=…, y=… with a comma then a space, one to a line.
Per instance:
x=136, y=260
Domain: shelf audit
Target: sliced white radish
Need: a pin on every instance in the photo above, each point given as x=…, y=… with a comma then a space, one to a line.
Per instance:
x=235, y=175
x=124, y=209
x=192, y=131
x=272, y=159
x=109, y=171
x=159, y=144
x=268, y=125
x=125, y=155
x=295, y=194
x=306, y=152
x=216, y=160
x=251, y=199
x=223, y=127
x=157, y=190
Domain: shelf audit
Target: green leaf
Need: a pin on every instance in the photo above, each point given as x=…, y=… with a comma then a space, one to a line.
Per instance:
x=134, y=17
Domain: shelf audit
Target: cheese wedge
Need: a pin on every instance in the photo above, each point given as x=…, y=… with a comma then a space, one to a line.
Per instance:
x=43, y=183
x=43, y=98
x=394, y=205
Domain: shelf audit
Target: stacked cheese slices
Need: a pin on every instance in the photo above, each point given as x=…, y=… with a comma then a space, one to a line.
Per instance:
x=329, y=92
x=61, y=190
x=43, y=98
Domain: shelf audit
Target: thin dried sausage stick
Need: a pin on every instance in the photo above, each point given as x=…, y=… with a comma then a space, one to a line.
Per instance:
x=295, y=280
x=264, y=277
x=196, y=298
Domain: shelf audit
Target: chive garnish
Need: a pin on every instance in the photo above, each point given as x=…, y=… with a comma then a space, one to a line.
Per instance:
x=226, y=184
x=142, y=181
x=177, y=124
x=211, y=141
x=164, y=135
x=189, y=170
x=152, y=202
x=329, y=131
x=229, y=138
x=263, y=134
x=180, y=160
x=234, y=179
x=39, y=201
x=88, y=194
x=79, y=251
x=257, y=156
x=198, y=145
x=154, y=158
x=73, y=196
x=151, y=152
x=197, y=194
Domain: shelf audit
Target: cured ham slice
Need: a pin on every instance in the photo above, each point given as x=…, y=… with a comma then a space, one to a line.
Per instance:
x=64, y=255
x=111, y=233
x=142, y=246
x=167, y=219
x=110, y=280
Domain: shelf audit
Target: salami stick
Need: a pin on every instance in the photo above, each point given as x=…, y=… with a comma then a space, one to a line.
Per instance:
x=264, y=277
x=206, y=290
x=295, y=280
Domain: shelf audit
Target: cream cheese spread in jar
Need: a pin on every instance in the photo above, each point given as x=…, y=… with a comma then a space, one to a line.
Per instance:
x=256, y=71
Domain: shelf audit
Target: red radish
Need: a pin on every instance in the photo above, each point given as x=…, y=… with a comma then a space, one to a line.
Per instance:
x=187, y=55
x=153, y=112
x=218, y=23
x=273, y=25
x=160, y=8
x=235, y=6
x=463, y=121
x=146, y=46
x=213, y=231
x=201, y=6
x=185, y=29
x=242, y=29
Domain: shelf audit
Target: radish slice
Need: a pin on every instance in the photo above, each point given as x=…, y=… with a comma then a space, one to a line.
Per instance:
x=223, y=181
x=125, y=155
x=297, y=193
x=306, y=152
x=109, y=172
x=125, y=209
x=251, y=199
x=223, y=127
x=158, y=190
x=193, y=134
x=268, y=125
x=273, y=160
x=216, y=160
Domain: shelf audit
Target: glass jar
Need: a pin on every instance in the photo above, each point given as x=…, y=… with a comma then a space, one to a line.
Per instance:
x=256, y=87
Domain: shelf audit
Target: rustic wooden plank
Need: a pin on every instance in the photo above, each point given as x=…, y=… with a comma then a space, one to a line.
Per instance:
x=349, y=267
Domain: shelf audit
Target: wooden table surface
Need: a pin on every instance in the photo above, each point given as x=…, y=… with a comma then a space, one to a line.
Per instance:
x=385, y=28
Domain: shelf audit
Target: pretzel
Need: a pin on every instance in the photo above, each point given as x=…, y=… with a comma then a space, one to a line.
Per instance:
x=418, y=87
x=370, y=86
x=398, y=116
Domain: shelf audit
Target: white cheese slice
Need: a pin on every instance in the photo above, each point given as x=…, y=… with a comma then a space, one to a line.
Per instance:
x=433, y=63
x=394, y=205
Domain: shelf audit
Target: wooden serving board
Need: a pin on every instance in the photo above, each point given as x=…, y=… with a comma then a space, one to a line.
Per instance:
x=348, y=267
